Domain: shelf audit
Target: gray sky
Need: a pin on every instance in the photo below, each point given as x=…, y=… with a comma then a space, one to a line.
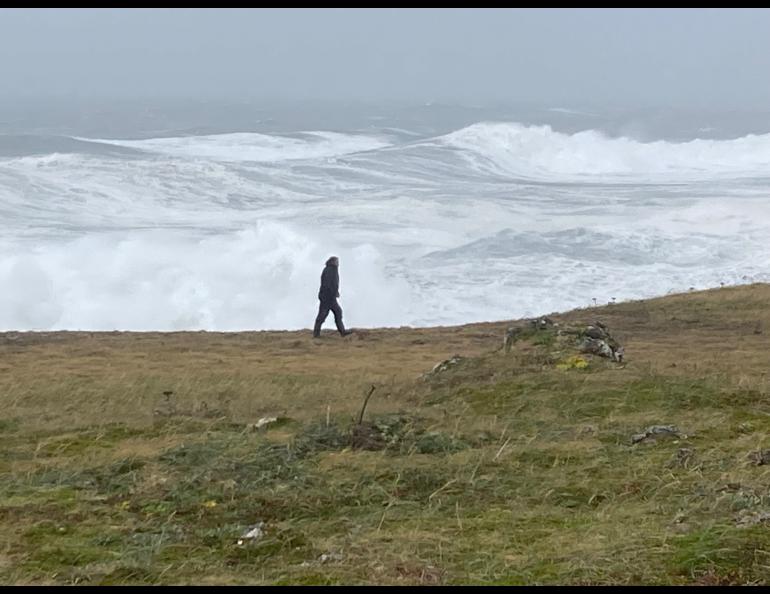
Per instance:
x=624, y=57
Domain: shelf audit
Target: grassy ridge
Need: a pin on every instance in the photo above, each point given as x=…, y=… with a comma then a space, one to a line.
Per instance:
x=132, y=457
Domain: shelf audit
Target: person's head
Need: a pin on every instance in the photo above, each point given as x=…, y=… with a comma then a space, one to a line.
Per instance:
x=333, y=261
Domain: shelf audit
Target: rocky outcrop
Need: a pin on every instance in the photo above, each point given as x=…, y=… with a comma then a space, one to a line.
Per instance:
x=597, y=340
x=594, y=339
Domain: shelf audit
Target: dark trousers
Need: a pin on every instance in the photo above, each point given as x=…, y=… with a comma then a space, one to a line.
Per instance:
x=323, y=311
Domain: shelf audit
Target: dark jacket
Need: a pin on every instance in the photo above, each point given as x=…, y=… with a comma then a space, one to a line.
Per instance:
x=330, y=284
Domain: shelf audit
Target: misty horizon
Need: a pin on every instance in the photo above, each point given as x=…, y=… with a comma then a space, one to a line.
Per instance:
x=613, y=58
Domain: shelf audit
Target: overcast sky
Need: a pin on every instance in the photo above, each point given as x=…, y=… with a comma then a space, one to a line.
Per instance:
x=624, y=57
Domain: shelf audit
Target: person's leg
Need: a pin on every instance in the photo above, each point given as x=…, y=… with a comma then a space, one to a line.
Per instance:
x=337, y=311
x=323, y=311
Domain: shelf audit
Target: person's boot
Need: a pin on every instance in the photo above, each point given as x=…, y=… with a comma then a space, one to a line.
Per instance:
x=346, y=332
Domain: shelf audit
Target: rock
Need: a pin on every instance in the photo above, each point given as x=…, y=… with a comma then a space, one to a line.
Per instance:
x=511, y=336
x=323, y=558
x=595, y=332
x=542, y=323
x=751, y=518
x=682, y=458
x=446, y=364
x=252, y=534
x=620, y=352
x=597, y=340
x=167, y=408
x=760, y=457
x=263, y=422
x=654, y=431
x=327, y=557
x=595, y=346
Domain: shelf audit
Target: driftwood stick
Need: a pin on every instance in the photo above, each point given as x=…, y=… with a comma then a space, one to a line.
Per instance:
x=366, y=401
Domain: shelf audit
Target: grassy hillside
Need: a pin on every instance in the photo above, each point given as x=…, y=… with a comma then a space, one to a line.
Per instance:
x=133, y=457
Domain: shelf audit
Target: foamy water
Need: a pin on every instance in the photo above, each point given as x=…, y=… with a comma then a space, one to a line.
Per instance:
x=494, y=220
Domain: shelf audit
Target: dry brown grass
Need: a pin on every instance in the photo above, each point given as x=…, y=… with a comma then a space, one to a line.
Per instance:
x=121, y=376
x=525, y=473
